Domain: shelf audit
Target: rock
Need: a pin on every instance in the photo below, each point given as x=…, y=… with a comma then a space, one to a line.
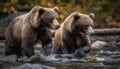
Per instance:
x=10, y=58
x=52, y=57
x=2, y=45
x=94, y=64
x=5, y=22
x=23, y=59
x=2, y=50
x=35, y=58
x=63, y=60
x=38, y=49
x=112, y=43
x=98, y=44
x=118, y=44
x=34, y=66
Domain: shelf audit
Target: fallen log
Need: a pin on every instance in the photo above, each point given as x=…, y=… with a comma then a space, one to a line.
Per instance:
x=108, y=31
x=2, y=34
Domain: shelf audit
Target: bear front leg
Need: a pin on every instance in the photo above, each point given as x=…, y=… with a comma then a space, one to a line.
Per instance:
x=55, y=48
x=47, y=49
x=28, y=46
x=82, y=51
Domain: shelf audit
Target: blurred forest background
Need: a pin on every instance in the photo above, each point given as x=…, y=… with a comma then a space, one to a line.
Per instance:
x=107, y=12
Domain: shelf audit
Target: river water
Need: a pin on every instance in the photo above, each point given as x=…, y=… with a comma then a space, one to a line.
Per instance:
x=104, y=58
x=107, y=59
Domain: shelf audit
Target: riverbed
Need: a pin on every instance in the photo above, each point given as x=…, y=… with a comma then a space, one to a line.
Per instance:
x=98, y=58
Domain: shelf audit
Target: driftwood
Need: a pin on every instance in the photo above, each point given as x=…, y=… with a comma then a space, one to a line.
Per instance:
x=2, y=34
x=110, y=31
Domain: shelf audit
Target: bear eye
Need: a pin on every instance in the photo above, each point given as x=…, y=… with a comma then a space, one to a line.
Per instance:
x=91, y=25
x=86, y=26
x=51, y=19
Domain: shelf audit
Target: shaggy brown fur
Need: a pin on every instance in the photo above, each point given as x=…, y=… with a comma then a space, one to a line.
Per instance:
x=26, y=30
x=73, y=35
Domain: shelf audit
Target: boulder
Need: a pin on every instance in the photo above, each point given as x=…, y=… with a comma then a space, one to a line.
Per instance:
x=34, y=66
x=99, y=44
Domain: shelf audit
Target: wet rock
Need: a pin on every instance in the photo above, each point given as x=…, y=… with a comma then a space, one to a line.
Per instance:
x=64, y=60
x=2, y=45
x=38, y=49
x=65, y=56
x=2, y=50
x=35, y=58
x=5, y=22
x=34, y=66
x=112, y=43
x=94, y=64
x=118, y=44
x=105, y=52
x=98, y=44
x=42, y=58
x=52, y=57
x=10, y=58
x=23, y=59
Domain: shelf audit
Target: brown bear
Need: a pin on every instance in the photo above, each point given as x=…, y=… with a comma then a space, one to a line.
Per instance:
x=73, y=35
x=26, y=30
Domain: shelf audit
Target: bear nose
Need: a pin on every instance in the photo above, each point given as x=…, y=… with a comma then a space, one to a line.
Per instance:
x=57, y=26
x=90, y=30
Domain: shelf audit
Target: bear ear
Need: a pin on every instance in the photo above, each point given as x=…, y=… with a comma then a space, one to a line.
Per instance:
x=76, y=16
x=41, y=10
x=92, y=15
x=56, y=9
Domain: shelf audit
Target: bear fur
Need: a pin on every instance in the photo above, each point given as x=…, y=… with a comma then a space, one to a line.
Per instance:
x=73, y=35
x=26, y=30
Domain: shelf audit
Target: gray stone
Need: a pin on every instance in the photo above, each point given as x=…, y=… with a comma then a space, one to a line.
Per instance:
x=34, y=66
x=10, y=58
x=38, y=49
x=35, y=58
x=2, y=50
x=5, y=22
x=118, y=44
x=98, y=44
x=23, y=59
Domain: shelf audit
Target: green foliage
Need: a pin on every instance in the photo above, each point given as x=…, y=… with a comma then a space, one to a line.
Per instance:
x=106, y=11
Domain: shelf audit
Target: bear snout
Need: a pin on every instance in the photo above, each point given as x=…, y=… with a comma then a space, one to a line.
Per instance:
x=55, y=25
x=90, y=30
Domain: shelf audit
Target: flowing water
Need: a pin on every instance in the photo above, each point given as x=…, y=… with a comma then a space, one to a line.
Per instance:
x=105, y=58
x=108, y=58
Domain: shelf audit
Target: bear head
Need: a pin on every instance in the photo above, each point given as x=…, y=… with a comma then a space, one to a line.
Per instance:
x=80, y=23
x=41, y=17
